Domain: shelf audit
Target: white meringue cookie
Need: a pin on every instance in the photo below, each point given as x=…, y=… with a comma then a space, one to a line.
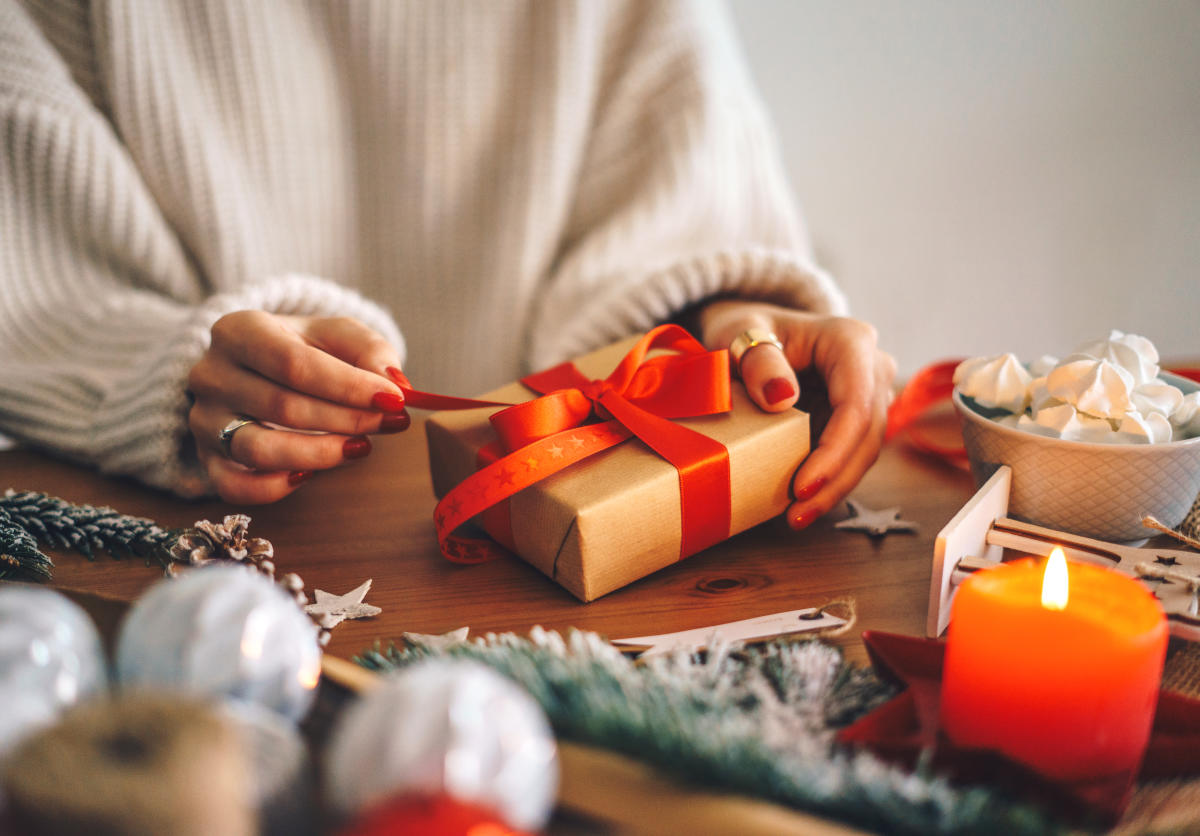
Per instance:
x=1137, y=355
x=1186, y=416
x=1097, y=387
x=1156, y=397
x=1094, y=430
x=1040, y=397
x=1065, y=421
x=1056, y=421
x=1137, y=428
x=1042, y=365
x=999, y=381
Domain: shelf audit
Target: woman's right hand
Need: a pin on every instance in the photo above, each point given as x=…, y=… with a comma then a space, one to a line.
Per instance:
x=322, y=383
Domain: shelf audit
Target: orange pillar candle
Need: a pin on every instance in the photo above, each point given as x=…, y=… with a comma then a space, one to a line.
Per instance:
x=1068, y=686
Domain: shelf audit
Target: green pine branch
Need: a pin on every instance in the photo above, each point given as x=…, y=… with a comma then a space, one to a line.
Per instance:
x=759, y=721
x=29, y=518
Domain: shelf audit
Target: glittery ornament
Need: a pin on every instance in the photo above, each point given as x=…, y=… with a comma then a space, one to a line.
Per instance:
x=49, y=647
x=440, y=816
x=281, y=778
x=453, y=728
x=222, y=631
x=24, y=713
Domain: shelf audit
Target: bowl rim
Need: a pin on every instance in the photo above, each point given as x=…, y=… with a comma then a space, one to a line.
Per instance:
x=969, y=413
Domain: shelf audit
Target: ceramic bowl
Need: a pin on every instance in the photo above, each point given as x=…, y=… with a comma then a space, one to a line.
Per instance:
x=1095, y=490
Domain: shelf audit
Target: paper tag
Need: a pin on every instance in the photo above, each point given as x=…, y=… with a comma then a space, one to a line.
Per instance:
x=762, y=627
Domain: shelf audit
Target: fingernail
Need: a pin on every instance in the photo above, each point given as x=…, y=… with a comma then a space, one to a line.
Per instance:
x=395, y=422
x=356, y=447
x=810, y=490
x=400, y=377
x=778, y=389
x=299, y=477
x=803, y=520
x=387, y=401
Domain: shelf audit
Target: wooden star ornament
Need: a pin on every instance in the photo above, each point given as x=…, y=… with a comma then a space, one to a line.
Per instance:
x=330, y=610
x=874, y=523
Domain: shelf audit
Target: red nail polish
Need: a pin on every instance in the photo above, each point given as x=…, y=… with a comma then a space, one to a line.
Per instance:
x=387, y=402
x=803, y=520
x=356, y=447
x=299, y=477
x=395, y=422
x=811, y=489
x=778, y=389
x=400, y=377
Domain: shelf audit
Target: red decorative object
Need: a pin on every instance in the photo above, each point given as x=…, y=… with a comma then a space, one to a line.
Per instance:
x=908, y=725
x=926, y=389
x=440, y=816
x=641, y=398
x=1067, y=687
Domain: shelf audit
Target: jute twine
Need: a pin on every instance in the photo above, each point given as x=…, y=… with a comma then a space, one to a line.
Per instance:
x=136, y=766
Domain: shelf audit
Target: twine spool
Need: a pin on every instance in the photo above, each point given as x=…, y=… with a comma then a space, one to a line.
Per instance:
x=139, y=766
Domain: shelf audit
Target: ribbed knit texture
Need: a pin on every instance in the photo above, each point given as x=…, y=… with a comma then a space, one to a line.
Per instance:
x=510, y=183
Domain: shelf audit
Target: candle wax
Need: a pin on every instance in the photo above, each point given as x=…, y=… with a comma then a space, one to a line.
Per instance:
x=1068, y=692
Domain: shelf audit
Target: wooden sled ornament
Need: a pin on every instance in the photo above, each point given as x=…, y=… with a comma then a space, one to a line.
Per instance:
x=978, y=534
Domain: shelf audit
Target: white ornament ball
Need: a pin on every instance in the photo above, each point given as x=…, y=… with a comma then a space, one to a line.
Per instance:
x=281, y=778
x=222, y=631
x=24, y=713
x=49, y=647
x=457, y=728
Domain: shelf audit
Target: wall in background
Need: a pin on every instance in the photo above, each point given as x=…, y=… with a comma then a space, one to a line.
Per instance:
x=985, y=177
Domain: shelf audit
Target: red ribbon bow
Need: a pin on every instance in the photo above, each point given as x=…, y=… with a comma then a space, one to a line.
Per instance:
x=541, y=437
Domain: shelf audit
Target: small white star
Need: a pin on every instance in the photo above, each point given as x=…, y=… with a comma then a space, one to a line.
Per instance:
x=331, y=610
x=874, y=523
x=437, y=642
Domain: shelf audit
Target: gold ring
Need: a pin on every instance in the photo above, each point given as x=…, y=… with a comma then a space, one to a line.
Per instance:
x=225, y=437
x=747, y=340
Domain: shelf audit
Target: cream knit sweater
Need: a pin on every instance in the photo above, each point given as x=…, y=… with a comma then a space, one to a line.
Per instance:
x=506, y=183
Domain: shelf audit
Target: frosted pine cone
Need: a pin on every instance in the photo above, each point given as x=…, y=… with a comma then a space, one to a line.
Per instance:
x=208, y=541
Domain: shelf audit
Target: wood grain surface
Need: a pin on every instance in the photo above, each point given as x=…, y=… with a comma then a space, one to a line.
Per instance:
x=372, y=519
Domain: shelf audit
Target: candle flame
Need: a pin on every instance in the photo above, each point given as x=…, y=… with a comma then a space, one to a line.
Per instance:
x=1054, y=582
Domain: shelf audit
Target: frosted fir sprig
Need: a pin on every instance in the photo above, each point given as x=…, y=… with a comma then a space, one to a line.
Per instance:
x=760, y=721
x=30, y=518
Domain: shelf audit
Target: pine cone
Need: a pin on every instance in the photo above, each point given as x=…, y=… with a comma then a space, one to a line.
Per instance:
x=208, y=541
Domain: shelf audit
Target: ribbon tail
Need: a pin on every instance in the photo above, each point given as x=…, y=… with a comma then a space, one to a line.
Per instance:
x=926, y=389
x=703, y=465
x=511, y=474
x=428, y=400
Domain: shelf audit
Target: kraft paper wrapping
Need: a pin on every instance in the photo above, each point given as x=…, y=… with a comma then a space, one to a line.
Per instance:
x=615, y=517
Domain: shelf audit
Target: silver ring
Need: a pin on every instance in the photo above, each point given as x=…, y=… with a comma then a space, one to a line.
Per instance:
x=225, y=437
x=747, y=340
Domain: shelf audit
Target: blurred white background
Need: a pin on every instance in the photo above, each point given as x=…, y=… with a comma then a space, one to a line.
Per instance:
x=994, y=176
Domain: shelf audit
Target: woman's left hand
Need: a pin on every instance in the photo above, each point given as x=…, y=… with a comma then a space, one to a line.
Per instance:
x=858, y=378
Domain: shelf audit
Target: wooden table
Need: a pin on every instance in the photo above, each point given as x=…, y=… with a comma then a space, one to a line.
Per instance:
x=372, y=519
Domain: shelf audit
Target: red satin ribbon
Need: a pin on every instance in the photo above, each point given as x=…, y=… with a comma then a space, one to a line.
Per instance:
x=926, y=389
x=541, y=437
x=931, y=386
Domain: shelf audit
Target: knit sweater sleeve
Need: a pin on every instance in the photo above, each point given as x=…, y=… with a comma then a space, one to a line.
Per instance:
x=102, y=312
x=681, y=194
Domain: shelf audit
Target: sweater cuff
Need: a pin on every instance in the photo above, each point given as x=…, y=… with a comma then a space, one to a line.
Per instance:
x=757, y=274
x=141, y=429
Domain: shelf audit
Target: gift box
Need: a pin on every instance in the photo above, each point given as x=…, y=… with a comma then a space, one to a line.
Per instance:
x=618, y=514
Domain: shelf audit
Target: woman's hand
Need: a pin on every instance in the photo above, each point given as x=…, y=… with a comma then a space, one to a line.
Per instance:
x=322, y=383
x=858, y=378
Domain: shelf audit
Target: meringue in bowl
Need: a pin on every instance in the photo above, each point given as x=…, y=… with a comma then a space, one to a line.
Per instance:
x=1091, y=488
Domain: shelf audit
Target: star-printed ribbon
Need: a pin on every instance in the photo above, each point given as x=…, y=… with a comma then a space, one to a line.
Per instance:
x=640, y=398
